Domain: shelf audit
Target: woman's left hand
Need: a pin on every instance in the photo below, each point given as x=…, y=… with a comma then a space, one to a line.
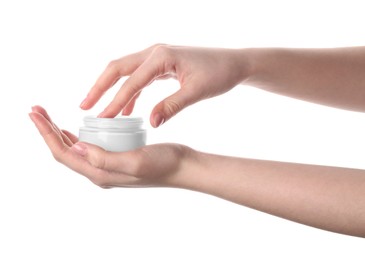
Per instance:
x=152, y=165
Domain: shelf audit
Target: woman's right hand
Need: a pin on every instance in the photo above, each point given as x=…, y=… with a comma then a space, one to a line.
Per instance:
x=202, y=73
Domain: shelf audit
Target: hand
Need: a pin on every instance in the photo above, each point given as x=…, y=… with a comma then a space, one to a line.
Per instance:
x=137, y=168
x=202, y=73
x=309, y=194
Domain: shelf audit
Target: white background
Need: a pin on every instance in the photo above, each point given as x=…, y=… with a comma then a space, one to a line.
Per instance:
x=51, y=52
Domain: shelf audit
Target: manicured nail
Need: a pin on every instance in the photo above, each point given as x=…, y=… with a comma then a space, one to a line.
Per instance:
x=83, y=103
x=80, y=148
x=158, y=120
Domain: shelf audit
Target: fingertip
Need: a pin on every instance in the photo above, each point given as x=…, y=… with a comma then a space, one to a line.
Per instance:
x=37, y=108
x=128, y=110
x=31, y=116
x=83, y=104
x=40, y=122
x=126, y=113
x=90, y=100
x=157, y=119
x=107, y=114
x=101, y=115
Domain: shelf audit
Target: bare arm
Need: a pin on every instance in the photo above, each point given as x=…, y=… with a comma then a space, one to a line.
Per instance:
x=333, y=77
x=329, y=198
x=325, y=197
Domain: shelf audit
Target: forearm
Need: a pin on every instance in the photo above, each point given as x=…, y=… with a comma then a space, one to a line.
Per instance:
x=329, y=198
x=334, y=77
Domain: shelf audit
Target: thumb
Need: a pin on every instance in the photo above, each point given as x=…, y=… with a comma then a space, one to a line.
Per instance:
x=169, y=107
x=102, y=159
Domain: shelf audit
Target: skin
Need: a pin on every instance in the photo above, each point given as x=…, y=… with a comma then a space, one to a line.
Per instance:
x=330, y=198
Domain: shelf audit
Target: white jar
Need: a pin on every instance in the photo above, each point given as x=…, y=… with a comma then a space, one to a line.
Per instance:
x=119, y=134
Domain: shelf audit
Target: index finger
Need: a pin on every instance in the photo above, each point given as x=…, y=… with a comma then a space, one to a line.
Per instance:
x=142, y=77
x=112, y=73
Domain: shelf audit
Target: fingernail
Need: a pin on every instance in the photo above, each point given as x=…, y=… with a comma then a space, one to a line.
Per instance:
x=101, y=114
x=83, y=103
x=31, y=116
x=159, y=120
x=80, y=148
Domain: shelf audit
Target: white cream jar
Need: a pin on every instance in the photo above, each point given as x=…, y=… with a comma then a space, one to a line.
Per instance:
x=117, y=134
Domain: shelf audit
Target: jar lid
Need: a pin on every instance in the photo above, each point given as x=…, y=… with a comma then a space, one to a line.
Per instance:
x=119, y=122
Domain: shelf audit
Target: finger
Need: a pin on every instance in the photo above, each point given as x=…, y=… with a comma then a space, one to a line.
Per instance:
x=159, y=63
x=122, y=162
x=65, y=138
x=73, y=138
x=142, y=77
x=170, y=107
x=73, y=160
x=130, y=106
x=49, y=134
x=112, y=73
x=43, y=112
x=104, y=168
x=66, y=155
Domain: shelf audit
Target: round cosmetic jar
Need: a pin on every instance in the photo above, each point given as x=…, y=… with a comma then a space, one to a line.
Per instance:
x=119, y=134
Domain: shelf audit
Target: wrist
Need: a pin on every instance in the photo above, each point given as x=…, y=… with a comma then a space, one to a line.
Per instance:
x=190, y=170
x=246, y=60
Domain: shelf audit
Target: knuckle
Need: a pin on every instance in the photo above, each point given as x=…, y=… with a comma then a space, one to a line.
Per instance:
x=100, y=179
x=156, y=45
x=113, y=65
x=132, y=87
x=164, y=51
x=116, y=106
x=98, y=161
x=58, y=155
x=137, y=168
x=105, y=187
x=172, y=107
